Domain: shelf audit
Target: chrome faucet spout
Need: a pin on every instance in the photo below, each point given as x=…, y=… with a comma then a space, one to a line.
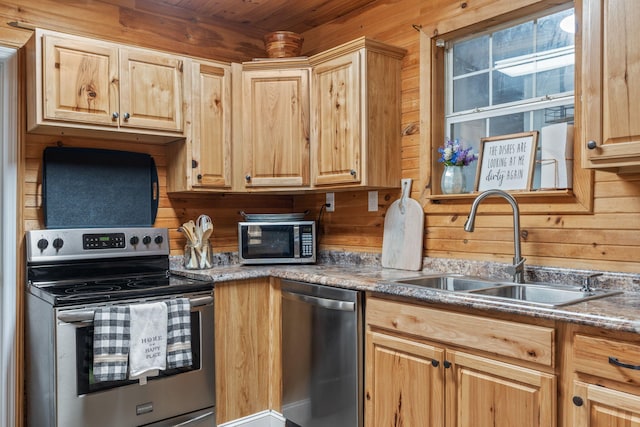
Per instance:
x=518, y=262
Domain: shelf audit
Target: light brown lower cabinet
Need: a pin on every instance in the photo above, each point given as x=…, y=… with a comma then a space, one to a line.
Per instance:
x=603, y=407
x=606, y=384
x=429, y=367
x=247, y=347
x=404, y=388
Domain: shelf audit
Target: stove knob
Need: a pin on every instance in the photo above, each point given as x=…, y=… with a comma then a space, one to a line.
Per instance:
x=158, y=240
x=58, y=243
x=42, y=244
x=146, y=240
x=134, y=240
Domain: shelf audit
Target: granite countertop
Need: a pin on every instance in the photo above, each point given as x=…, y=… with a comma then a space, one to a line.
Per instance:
x=619, y=312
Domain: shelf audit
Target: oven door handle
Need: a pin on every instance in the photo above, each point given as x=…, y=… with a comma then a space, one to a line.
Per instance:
x=87, y=315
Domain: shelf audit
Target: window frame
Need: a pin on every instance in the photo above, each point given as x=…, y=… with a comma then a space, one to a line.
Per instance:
x=432, y=114
x=529, y=108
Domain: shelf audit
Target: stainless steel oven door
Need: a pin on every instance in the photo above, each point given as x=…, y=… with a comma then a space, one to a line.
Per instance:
x=74, y=400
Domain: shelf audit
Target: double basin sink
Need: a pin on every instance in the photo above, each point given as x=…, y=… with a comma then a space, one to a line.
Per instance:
x=531, y=293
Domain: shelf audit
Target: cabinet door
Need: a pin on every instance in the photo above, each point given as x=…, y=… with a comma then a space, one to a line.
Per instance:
x=151, y=90
x=482, y=392
x=247, y=351
x=337, y=124
x=404, y=382
x=276, y=128
x=611, y=83
x=211, y=125
x=596, y=406
x=80, y=81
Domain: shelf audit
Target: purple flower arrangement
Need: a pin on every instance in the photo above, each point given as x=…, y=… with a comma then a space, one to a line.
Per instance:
x=453, y=154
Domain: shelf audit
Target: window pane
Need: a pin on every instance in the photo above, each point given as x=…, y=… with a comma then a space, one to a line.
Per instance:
x=469, y=134
x=514, y=41
x=558, y=80
x=510, y=89
x=470, y=56
x=550, y=35
x=548, y=116
x=471, y=92
x=509, y=123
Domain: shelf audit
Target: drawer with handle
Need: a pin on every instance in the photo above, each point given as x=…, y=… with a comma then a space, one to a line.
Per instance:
x=606, y=358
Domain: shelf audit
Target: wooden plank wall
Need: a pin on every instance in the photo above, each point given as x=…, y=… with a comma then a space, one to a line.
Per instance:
x=607, y=239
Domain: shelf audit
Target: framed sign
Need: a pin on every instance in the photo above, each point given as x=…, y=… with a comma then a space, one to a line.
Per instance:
x=506, y=162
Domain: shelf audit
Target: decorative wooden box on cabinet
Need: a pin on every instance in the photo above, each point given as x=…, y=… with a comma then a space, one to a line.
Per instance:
x=606, y=385
x=203, y=162
x=82, y=86
x=436, y=368
x=611, y=85
x=275, y=124
x=356, y=119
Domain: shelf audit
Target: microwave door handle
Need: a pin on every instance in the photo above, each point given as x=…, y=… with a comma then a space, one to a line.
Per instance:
x=87, y=315
x=330, y=304
x=296, y=241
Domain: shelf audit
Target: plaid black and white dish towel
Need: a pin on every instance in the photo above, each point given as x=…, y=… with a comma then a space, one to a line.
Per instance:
x=111, y=339
x=178, y=333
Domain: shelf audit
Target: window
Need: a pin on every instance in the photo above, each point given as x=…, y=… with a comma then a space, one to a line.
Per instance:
x=511, y=79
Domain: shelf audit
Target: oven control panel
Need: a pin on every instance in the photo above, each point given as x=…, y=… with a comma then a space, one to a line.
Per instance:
x=103, y=241
x=91, y=243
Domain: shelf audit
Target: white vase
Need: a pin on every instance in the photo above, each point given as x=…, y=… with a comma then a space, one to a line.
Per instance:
x=453, y=181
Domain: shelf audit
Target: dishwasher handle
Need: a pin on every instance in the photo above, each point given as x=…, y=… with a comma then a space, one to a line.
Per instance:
x=327, y=303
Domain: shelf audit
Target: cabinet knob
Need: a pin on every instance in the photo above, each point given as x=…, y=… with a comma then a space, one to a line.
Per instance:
x=115, y=115
x=592, y=145
x=247, y=178
x=194, y=164
x=199, y=177
x=577, y=400
x=447, y=364
x=435, y=363
x=127, y=116
x=353, y=172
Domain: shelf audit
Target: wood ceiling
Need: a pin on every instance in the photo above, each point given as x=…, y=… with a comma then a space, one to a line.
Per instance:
x=269, y=15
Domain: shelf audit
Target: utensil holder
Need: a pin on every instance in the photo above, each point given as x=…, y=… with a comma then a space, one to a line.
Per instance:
x=198, y=257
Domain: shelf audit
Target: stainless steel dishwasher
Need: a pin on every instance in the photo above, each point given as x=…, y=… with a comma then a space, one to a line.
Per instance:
x=322, y=368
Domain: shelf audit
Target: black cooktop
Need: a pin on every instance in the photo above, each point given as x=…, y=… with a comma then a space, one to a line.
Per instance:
x=113, y=289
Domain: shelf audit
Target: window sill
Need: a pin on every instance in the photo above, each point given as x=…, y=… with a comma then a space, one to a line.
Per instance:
x=529, y=202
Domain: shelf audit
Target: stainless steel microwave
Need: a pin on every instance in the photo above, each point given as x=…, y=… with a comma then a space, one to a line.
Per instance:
x=282, y=242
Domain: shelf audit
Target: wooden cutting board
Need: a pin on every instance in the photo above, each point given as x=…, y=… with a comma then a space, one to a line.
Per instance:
x=403, y=232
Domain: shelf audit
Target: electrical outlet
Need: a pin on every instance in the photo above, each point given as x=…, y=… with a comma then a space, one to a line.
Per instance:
x=373, y=201
x=331, y=202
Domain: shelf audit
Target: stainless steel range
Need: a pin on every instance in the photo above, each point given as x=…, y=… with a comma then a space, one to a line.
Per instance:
x=72, y=273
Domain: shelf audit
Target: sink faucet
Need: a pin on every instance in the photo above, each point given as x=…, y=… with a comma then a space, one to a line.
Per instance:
x=588, y=282
x=517, y=270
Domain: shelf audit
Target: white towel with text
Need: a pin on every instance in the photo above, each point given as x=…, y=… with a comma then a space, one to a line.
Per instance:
x=148, y=351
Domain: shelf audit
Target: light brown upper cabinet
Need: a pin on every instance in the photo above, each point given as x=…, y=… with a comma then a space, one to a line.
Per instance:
x=356, y=120
x=611, y=85
x=81, y=86
x=202, y=162
x=275, y=124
